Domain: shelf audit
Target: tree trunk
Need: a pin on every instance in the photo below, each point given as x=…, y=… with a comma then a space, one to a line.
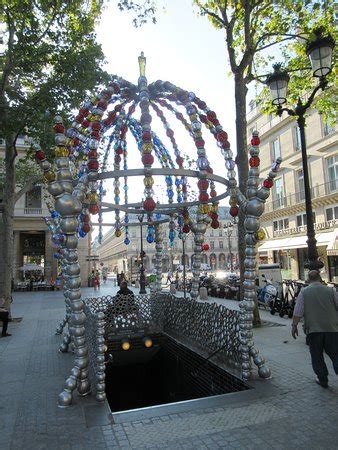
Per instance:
x=243, y=168
x=8, y=217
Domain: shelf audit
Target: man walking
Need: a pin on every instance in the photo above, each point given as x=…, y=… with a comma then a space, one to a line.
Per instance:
x=4, y=318
x=319, y=306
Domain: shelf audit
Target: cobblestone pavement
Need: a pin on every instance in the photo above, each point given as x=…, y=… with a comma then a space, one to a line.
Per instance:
x=289, y=411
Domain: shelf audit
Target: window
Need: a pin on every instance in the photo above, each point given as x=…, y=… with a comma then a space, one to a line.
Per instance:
x=212, y=245
x=279, y=225
x=301, y=219
x=220, y=233
x=277, y=193
x=332, y=170
x=331, y=213
x=275, y=149
x=220, y=244
x=300, y=182
x=328, y=128
x=298, y=140
x=33, y=198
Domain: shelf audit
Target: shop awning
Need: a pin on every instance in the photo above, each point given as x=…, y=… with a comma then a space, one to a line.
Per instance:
x=332, y=248
x=323, y=239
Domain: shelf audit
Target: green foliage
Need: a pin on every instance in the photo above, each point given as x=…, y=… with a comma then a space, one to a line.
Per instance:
x=51, y=61
x=144, y=11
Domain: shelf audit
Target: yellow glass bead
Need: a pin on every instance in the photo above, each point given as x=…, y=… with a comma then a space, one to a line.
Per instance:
x=93, y=100
x=148, y=181
x=118, y=233
x=260, y=235
x=198, y=133
x=193, y=117
x=116, y=191
x=164, y=158
x=93, y=197
x=61, y=151
x=233, y=201
x=147, y=147
x=49, y=176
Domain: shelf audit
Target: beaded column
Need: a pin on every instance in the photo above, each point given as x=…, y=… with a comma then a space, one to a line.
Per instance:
x=69, y=206
x=254, y=208
x=100, y=374
x=158, y=263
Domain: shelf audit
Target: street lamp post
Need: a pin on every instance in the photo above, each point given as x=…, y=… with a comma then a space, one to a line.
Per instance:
x=319, y=52
x=142, y=276
x=229, y=229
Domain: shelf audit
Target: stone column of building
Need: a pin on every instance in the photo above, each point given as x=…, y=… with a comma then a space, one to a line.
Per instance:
x=17, y=274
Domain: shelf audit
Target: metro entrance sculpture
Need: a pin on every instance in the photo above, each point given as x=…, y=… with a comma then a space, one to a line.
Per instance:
x=76, y=185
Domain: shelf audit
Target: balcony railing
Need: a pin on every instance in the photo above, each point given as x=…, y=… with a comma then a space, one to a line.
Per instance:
x=321, y=190
x=29, y=212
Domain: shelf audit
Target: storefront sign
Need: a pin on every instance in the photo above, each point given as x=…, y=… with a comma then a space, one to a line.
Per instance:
x=298, y=230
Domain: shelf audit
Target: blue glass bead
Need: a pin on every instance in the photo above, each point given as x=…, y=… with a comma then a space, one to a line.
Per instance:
x=57, y=256
x=126, y=219
x=117, y=199
x=82, y=233
x=127, y=241
x=158, y=216
x=180, y=220
x=172, y=234
x=168, y=179
x=230, y=164
x=177, y=182
x=125, y=188
x=170, y=193
x=54, y=214
x=179, y=199
x=150, y=238
x=192, y=96
x=202, y=163
x=191, y=110
x=58, y=239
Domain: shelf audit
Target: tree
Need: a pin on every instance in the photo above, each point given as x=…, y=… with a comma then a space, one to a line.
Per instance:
x=50, y=60
x=251, y=27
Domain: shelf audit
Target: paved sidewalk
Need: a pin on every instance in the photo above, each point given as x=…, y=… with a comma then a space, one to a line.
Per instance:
x=287, y=412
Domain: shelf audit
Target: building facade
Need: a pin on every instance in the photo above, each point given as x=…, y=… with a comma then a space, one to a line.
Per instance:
x=32, y=239
x=116, y=256
x=284, y=219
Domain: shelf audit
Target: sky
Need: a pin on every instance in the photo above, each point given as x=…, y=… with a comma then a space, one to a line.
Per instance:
x=182, y=48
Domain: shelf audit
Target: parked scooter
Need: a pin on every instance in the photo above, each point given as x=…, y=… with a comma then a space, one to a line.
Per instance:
x=268, y=294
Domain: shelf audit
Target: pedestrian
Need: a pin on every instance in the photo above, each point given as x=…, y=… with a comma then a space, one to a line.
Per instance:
x=318, y=304
x=4, y=313
x=96, y=281
x=169, y=276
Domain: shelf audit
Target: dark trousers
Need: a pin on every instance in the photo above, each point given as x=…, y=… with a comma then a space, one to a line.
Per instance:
x=4, y=319
x=318, y=343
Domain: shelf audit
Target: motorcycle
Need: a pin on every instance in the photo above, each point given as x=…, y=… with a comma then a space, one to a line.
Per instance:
x=268, y=294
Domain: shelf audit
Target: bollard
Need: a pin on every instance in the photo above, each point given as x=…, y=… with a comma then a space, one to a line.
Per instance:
x=203, y=293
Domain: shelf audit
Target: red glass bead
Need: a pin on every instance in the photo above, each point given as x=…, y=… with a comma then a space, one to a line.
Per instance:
x=84, y=112
x=93, y=209
x=146, y=136
x=205, y=247
x=40, y=155
x=117, y=159
x=147, y=159
x=119, y=151
x=203, y=197
x=213, y=193
x=86, y=227
x=225, y=145
x=186, y=229
x=215, y=224
x=79, y=118
x=92, y=154
x=222, y=136
x=215, y=122
x=268, y=183
x=95, y=134
x=59, y=128
x=254, y=162
x=93, y=164
x=118, y=108
x=182, y=96
x=213, y=215
x=180, y=160
x=170, y=132
x=255, y=140
x=102, y=104
x=86, y=218
x=149, y=204
x=96, y=126
x=179, y=116
x=86, y=123
x=112, y=115
x=200, y=143
x=107, y=122
x=211, y=115
x=115, y=86
x=234, y=211
x=201, y=104
x=209, y=170
x=203, y=184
